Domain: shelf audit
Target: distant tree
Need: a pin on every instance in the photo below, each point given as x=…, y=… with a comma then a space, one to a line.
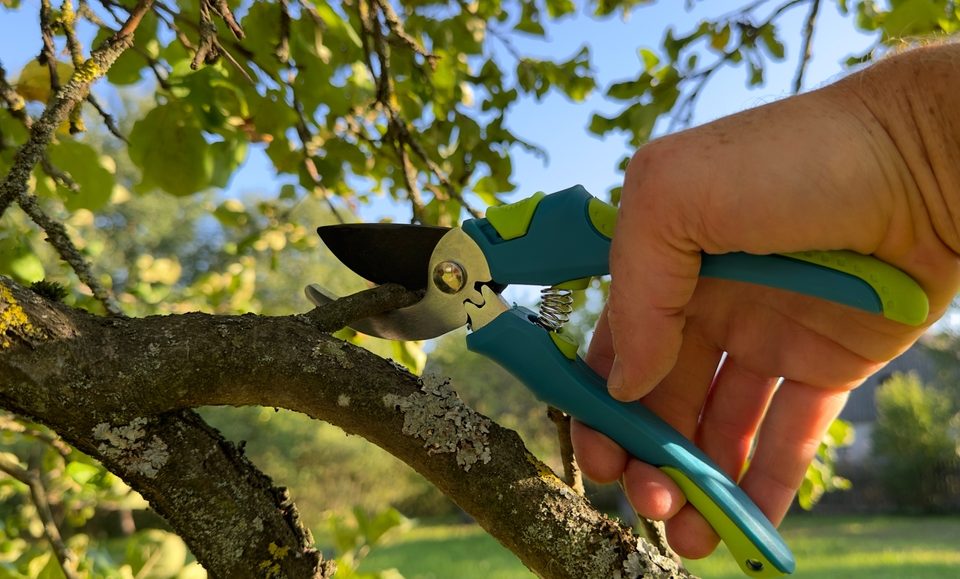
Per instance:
x=348, y=100
x=916, y=440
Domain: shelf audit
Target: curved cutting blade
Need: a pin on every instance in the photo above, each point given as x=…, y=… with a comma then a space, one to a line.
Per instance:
x=385, y=252
x=438, y=312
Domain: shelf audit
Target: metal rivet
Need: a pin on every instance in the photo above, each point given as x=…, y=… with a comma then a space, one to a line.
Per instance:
x=449, y=277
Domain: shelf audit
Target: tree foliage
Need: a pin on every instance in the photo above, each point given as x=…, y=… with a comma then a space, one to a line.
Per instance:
x=120, y=199
x=917, y=439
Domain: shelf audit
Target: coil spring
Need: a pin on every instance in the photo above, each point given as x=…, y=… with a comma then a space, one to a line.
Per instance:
x=556, y=305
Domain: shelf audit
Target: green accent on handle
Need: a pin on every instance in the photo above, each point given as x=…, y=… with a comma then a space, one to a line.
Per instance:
x=567, y=345
x=575, y=284
x=512, y=221
x=751, y=560
x=602, y=216
x=903, y=299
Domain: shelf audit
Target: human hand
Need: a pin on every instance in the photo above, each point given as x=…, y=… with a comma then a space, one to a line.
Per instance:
x=870, y=164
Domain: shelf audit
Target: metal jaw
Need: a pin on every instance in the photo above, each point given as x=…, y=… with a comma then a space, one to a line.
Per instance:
x=457, y=278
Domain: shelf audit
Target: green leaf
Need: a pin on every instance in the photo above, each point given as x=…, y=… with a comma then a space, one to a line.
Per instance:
x=82, y=472
x=129, y=66
x=913, y=18
x=558, y=8
x=530, y=20
x=410, y=355
x=373, y=527
x=768, y=34
x=649, y=58
x=27, y=267
x=156, y=554
x=170, y=150
x=720, y=38
x=83, y=164
x=227, y=157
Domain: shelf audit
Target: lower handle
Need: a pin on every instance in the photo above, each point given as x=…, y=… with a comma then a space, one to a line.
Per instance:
x=563, y=380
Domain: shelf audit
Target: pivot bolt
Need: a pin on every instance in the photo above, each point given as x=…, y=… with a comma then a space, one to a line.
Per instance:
x=449, y=277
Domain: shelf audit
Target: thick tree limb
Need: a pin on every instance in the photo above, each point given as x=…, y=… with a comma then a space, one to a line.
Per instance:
x=92, y=379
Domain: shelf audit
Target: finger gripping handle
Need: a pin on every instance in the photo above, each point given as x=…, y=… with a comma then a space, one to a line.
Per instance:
x=528, y=352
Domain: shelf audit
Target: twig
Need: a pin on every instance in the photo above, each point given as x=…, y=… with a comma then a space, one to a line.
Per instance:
x=38, y=494
x=657, y=534
x=9, y=423
x=571, y=470
x=303, y=133
x=59, y=238
x=68, y=19
x=396, y=27
x=207, y=51
x=363, y=304
x=48, y=54
x=223, y=10
x=805, y=51
x=107, y=119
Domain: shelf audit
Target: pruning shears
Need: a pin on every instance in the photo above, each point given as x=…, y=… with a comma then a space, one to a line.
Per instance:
x=560, y=241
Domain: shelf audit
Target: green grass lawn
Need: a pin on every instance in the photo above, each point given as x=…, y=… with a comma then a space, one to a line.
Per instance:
x=825, y=547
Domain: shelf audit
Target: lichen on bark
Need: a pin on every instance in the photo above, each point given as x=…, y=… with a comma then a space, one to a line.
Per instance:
x=438, y=416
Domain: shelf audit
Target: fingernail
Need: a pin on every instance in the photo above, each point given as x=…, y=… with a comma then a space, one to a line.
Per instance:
x=615, y=379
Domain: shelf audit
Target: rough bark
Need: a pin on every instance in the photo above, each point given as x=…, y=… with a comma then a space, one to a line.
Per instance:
x=120, y=389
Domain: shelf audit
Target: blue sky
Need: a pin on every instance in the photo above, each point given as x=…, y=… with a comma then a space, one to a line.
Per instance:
x=556, y=124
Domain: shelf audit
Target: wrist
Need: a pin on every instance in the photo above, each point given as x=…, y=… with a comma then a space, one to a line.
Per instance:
x=913, y=96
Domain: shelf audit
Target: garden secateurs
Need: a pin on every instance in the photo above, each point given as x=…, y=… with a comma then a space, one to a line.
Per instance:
x=560, y=241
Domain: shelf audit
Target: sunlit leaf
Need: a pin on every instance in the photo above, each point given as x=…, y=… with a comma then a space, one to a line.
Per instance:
x=84, y=166
x=171, y=151
x=33, y=83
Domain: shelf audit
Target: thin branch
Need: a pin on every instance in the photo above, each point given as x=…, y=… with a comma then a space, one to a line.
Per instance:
x=9, y=423
x=396, y=27
x=656, y=532
x=571, y=470
x=38, y=494
x=305, y=136
x=805, y=51
x=207, y=51
x=108, y=120
x=58, y=237
x=48, y=54
x=68, y=19
x=382, y=298
x=101, y=59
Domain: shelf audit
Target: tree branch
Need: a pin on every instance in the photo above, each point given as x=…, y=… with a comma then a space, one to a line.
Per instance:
x=67, y=97
x=805, y=52
x=82, y=371
x=571, y=470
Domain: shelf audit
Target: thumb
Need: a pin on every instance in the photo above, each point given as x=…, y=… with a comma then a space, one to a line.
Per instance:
x=654, y=267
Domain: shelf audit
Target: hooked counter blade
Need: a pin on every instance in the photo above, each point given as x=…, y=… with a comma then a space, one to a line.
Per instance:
x=385, y=252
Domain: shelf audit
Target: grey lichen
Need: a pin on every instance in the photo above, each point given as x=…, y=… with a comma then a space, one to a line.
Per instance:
x=647, y=561
x=437, y=416
x=130, y=447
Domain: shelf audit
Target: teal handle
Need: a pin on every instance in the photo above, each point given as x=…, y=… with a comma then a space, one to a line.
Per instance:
x=559, y=242
x=565, y=236
x=524, y=349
